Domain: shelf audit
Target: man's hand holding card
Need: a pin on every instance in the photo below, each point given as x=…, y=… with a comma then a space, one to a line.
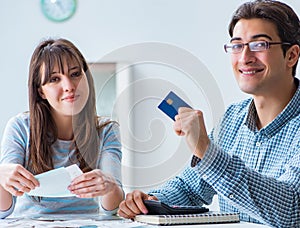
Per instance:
x=188, y=122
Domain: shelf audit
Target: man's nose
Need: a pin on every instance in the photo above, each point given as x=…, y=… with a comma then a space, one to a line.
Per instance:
x=247, y=56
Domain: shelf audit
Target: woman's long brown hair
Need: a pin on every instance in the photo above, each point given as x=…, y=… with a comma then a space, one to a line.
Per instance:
x=43, y=130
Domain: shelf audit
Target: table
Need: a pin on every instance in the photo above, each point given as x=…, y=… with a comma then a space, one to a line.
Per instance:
x=104, y=222
x=229, y=225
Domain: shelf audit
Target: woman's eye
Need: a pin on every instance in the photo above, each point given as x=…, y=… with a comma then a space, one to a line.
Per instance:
x=76, y=74
x=53, y=79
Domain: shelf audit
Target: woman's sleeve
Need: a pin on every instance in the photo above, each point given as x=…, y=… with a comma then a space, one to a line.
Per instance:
x=111, y=156
x=15, y=141
x=13, y=148
x=4, y=214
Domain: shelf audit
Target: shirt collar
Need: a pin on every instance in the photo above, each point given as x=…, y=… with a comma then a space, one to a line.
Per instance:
x=289, y=112
x=251, y=117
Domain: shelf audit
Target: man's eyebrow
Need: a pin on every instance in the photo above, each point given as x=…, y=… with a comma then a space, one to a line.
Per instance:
x=262, y=35
x=235, y=38
x=253, y=37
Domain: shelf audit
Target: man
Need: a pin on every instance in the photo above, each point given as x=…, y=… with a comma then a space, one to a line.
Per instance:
x=251, y=159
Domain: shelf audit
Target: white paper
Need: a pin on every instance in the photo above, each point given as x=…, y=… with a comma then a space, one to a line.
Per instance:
x=54, y=183
x=22, y=223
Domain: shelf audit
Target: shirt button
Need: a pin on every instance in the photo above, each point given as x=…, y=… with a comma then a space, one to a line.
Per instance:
x=204, y=176
x=258, y=144
x=231, y=196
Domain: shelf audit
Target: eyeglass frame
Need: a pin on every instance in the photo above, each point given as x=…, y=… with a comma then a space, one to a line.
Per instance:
x=268, y=45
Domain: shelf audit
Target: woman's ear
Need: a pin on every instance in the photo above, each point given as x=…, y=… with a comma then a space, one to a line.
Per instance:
x=41, y=93
x=292, y=55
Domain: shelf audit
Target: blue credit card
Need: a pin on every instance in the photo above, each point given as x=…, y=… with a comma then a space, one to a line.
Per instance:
x=171, y=104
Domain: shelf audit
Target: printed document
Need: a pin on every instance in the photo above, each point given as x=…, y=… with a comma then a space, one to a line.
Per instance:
x=54, y=183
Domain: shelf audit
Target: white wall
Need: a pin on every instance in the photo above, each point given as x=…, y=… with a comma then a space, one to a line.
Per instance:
x=189, y=32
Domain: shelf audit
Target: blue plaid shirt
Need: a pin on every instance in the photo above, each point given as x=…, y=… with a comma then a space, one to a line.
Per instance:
x=254, y=172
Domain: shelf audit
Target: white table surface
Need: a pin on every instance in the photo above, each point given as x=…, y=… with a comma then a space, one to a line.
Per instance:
x=82, y=223
x=234, y=225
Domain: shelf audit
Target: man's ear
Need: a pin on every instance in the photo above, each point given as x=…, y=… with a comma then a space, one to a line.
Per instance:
x=292, y=55
x=41, y=93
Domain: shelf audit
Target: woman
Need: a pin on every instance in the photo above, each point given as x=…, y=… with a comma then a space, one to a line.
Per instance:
x=60, y=129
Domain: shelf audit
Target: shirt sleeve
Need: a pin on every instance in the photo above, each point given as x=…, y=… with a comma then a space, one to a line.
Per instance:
x=14, y=141
x=111, y=156
x=188, y=188
x=4, y=214
x=107, y=212
x=13, y=149
x=274, y=201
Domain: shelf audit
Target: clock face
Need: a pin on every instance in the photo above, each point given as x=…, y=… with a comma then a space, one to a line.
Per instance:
x=58, y=10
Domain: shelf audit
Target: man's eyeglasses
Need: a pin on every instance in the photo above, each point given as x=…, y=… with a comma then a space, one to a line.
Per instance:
x=253, y=46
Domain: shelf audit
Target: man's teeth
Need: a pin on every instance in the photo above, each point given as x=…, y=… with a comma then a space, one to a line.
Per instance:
x=249, y=72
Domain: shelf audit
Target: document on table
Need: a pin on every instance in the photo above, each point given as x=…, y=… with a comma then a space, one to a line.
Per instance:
x=54, y=183
x=76, y=223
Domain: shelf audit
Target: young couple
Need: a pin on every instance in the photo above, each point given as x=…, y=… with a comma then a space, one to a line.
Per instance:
x=251, y=159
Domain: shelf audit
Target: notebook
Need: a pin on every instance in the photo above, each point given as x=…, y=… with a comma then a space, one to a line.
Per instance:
x=203, y=218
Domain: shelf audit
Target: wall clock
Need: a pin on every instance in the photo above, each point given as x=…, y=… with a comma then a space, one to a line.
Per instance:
x=58, y=10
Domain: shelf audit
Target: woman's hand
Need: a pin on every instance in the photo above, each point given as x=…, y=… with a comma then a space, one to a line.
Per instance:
x=92, y=184
x=190, y=123
x=15, y=179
